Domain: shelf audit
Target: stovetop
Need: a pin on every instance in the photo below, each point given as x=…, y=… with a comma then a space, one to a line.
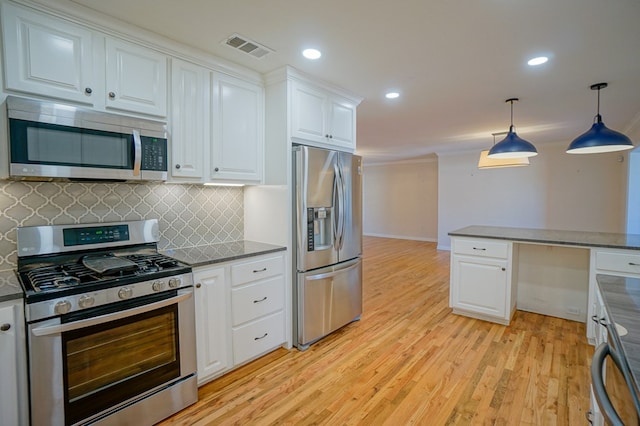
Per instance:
x=53, y=278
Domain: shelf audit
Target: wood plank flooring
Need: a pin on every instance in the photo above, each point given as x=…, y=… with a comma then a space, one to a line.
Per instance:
x=410, y=361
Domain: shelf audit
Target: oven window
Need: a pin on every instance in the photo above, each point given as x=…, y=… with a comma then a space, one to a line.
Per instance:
x=110, y=363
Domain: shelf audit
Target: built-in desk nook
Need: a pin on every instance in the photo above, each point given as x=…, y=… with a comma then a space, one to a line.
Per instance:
x=496, y=270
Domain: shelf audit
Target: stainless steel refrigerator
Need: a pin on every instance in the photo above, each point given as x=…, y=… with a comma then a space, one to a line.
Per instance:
x=328, y=234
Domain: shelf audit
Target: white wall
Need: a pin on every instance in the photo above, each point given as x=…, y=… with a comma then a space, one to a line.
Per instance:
x=400, y=200
x=556, y=191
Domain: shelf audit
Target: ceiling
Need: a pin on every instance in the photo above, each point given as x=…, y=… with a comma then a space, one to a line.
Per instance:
x=454, y=62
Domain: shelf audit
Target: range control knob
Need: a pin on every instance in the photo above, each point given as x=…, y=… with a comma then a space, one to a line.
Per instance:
x=175, y=282
x=62, y=307
x=86, y=301
x=158, y=286
x=125, y=293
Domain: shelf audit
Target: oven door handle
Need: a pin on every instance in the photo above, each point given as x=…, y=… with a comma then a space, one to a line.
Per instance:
x=597, y=378
x=62, y=328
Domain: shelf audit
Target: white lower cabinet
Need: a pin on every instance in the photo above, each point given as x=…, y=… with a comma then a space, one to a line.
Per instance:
x=481, y=284
x=13, y=375
x=213, y=337
x=239, y=312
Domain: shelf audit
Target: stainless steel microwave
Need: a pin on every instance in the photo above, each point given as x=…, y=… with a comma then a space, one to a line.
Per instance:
x=52, y=140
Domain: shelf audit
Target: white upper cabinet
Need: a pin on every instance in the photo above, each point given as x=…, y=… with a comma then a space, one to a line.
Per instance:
x=189, y=119
x=52, y=57
x=47, y=56
x=136, y=78
x=237, y=145
x=323, y=117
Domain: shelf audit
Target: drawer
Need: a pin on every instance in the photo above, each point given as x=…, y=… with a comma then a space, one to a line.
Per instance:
x=256, y=270
x=258, y=337
x=257, y=299
x=624, y=262
x=484, y=248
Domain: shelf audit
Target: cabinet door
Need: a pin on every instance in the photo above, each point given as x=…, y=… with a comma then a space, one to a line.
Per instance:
x=342, y=123
x=237, y=149
x=212, y=325
x=47, y=56
x=9, y=404
x=479, y=285
x=308, y=113
x=136, y=78
x=189, y=119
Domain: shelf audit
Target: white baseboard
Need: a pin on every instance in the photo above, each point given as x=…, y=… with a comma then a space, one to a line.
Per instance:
x=401, y=237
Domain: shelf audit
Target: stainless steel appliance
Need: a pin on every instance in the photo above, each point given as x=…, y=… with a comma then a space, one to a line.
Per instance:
x=110, y=322
x=613, y=384
x=328, y=235
x=59, y=141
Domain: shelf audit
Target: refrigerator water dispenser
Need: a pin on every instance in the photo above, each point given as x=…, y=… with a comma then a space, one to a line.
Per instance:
x=319, y=231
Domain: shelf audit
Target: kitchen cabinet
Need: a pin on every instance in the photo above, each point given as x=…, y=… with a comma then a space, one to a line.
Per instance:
x=257, y=300
x=239, y=312
x=237, y=144
x=136, y=78
x=47, y=56
x=189, y=119
x=481, y=279
x=52, y=57
x=213, y=334
x=323, y=117
x=13, y=375
x=617, y=262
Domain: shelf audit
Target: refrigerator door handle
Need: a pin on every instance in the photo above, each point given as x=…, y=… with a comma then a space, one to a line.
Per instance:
x=338, y=196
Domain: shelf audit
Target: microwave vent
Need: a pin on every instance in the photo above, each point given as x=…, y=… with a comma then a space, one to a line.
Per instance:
x=247, y=46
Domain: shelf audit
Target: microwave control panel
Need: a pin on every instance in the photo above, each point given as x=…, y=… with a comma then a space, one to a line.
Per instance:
x=154, y=153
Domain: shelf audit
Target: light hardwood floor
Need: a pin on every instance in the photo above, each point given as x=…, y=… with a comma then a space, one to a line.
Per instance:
x=409, y=360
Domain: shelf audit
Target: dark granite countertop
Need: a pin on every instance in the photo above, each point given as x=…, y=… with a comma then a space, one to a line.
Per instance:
x=10, y=288
x=621, y=297
x=222, y=252
x=549, y=236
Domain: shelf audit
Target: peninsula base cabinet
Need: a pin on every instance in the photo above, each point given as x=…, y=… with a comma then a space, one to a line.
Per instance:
x=13, y=370
x=239, y=312
x=481, y=279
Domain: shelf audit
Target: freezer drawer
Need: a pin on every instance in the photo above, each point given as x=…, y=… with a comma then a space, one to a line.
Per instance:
x=328, y=299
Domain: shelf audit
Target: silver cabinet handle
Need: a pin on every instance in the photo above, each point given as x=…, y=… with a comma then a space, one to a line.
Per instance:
x=137, y=158
x=88, y=90
x=634, y=264
x=261, y=337
x=255, y=271
x=480, y=248
x=177, y=166
x=112, y=95
x=589, y=416
x=5, y=327
x=261, y=300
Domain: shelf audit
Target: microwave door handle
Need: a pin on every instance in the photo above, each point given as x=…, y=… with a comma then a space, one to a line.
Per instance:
x=137, y=153
x=597, y=364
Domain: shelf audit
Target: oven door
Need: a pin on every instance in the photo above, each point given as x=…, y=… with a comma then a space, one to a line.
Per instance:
x=97, y=365
x=612, y=387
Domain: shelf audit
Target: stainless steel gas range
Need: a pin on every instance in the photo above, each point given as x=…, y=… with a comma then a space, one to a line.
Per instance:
x=110, y=321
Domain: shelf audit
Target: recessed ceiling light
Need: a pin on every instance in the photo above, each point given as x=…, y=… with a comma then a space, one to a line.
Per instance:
x=311, y=53
x=392, y=95
x=537, y=61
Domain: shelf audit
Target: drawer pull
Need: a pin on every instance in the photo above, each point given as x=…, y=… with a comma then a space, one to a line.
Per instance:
x=262, y=337
x=589, y=415
x=594, y=318
x=480, y=248
x=634, y=264
x=5, y=327
x=261, y=300
x=255, y=271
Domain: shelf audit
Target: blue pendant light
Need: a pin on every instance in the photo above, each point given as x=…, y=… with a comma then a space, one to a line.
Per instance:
x=512, y=146
x=599, y=138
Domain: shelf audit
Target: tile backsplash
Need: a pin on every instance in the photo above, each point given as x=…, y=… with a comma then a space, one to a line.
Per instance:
x=189, y=215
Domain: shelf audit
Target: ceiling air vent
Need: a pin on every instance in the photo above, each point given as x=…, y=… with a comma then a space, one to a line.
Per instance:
x=248, y=46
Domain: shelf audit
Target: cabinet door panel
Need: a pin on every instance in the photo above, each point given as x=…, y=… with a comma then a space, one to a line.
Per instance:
x=46, y=56
x=308, y=114
x=342, y=123
x=212, y=326
x=480, y=285
x=136, y=78
x=238, y=130
x=8, y=373
x=189, y=119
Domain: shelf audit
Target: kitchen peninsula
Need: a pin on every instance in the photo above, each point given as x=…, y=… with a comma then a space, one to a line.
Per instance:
x=495, y=270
